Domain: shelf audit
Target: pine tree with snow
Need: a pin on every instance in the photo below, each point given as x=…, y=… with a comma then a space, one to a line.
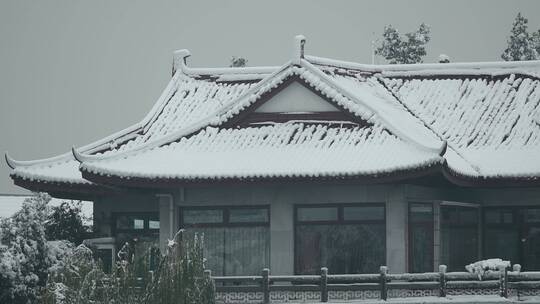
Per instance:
x=408, y=49
x=520, y=43
x=238, y=62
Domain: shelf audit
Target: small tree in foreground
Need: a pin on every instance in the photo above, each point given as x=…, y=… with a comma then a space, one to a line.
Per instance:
x=409, y=49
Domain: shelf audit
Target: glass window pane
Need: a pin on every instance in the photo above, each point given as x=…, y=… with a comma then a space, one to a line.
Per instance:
x=502, y=243
x=421, y=213
x=421, y=242
x=138, y=224
x=468, y=215
x=459, y=237
x=247, y=250
x=368, y=213
x=152, y=224
x=492, y=216
x=202, y=216
x=532, y=215
x=213, y=246
x=318, y=214
x=248, y=215
x=421, y=237
x=130, y=222
x=153, y=221
x=351, y=248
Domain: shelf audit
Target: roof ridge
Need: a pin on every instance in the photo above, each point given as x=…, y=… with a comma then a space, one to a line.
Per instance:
x=421, y=66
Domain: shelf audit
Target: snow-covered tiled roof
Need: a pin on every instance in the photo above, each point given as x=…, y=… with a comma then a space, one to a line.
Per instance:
x=190, y=95
x=483, y=118
x=492, y=123
x=287, y=150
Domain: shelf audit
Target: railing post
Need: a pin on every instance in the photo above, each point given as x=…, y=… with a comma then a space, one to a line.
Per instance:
x=324, y=284
x=266, y=285
x=442, y=281
x=503, y=281
x=382, y=282
x=207, y=274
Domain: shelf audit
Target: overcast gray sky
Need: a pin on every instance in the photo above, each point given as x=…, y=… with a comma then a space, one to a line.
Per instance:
x=75, y=71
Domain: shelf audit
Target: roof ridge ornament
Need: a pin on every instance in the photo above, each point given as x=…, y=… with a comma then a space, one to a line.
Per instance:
x=78, y=155
x=180, y=60
x=298, y=55
x=10, y=161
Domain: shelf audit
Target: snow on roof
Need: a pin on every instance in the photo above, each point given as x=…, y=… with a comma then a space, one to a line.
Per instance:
x=487, y=113
x=184, y=101
x=280, y=150
x=492, y=123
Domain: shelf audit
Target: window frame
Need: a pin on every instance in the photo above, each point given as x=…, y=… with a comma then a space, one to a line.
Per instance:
x=145, y=215
x=340, y=214
x=226, y=221
x=430, y=225
x=226, y=216
x=340, y=221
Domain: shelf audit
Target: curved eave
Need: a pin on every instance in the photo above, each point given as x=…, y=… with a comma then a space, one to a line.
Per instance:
x=464, y=180
x=153, y=182
x=64, y=190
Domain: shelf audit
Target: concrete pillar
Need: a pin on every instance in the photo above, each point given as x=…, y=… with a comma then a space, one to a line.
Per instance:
x=396, y=231
x=281, y=239
x=168, y=220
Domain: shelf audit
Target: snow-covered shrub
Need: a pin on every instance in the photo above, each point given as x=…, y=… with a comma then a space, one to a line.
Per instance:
x=481, y=267
x=178, y=278
x=77, y=279
x=24, y=257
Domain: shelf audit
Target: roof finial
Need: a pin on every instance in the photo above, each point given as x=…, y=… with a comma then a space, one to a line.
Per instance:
x=77, y=155
x=299, y=42
x=180, y=60
x=10, y=161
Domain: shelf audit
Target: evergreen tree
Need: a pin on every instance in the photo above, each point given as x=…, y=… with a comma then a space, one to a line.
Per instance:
x=237, y=62
x=536, y=42
x=520, y=43
x=409, y=49
x=65, y=222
